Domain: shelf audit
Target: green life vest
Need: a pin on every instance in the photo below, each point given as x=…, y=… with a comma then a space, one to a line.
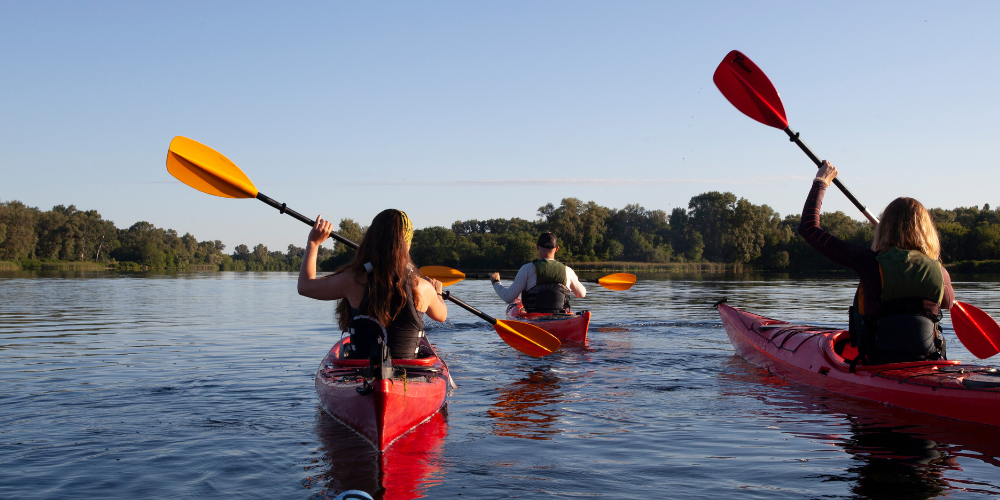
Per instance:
x=910, y=273
x=906, y=327
x=549, y=271
x=549, y=295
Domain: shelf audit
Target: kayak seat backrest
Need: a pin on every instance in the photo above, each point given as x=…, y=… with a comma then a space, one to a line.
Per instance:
x=842, y=346
x=426, y=356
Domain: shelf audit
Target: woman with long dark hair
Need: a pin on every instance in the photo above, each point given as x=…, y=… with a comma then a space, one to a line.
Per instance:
x=903, y=285
x=381, y=293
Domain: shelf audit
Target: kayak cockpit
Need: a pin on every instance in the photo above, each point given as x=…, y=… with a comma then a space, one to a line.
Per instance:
x=837, y=348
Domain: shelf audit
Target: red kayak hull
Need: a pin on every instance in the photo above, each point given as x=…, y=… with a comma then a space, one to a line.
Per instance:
x=815, y=356
x=394, y=406
x=567, y=328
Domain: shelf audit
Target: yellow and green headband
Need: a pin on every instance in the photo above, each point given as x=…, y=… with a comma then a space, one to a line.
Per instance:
x=407, y=228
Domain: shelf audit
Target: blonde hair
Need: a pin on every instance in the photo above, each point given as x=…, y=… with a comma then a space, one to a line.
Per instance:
x=906, y=224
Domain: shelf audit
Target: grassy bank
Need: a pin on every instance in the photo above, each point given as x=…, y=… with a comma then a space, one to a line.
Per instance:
x=974, y=267
x=665, y=267
x=62, y=265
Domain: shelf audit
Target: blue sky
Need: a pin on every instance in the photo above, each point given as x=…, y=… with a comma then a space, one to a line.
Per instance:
x=462, y=110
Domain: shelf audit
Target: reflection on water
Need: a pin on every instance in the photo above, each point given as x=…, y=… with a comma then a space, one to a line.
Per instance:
x=403, y=472
x=527, y=408
x=200, y=385
x=898, y=454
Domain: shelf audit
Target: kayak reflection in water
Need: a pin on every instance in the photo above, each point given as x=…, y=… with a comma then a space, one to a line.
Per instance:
x=406, y=471
x=527, y=409
x=903, y=286
x=895, y=463
x=380, y=291
x=896, y=453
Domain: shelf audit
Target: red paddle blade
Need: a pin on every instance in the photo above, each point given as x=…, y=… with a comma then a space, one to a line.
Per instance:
x=977, y=331
x=748, y=88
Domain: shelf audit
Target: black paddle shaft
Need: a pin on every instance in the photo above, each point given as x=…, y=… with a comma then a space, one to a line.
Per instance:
x=794, y=137
x=486, y=276
x=285, y=210
x=489, y=319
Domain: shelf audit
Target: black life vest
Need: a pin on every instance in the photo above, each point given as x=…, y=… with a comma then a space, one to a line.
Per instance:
x=906, y=325
x=400, y=339
x=549, y=295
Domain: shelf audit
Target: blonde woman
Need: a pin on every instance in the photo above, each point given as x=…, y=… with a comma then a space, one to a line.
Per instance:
x=903, y=285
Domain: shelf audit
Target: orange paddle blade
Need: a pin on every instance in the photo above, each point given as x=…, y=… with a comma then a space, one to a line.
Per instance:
x=617, y=281
x=446, y=275
x=527, y=338
x=977, y=331
x=207, y=170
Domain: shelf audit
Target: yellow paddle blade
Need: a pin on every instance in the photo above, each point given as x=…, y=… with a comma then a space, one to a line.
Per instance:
x=446, y=275
x=527, y=338
x=207, y=170
x=617, y=281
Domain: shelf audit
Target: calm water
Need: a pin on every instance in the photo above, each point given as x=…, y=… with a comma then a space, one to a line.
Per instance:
x=201, y=386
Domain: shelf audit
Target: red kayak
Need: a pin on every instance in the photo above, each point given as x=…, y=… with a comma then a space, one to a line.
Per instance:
x=816, y=356
x=566, y=327
x=392, y=407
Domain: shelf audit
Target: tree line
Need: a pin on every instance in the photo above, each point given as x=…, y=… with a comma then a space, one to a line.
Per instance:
x=715, y=227
x=29, y=237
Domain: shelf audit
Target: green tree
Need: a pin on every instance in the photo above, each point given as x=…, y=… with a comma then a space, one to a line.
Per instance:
x=710, y=215
x=17, y=225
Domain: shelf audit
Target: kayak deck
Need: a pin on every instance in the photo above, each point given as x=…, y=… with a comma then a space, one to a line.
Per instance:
x=565, y=327
x=820, y=357
x=394, y=406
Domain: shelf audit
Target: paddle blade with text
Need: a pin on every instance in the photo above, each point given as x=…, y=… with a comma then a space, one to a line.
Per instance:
x=748, y=88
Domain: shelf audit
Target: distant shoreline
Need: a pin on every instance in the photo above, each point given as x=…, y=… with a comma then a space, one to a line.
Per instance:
x=969, y=267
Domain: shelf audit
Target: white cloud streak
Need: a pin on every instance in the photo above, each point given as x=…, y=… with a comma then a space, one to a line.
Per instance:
x=578, y=182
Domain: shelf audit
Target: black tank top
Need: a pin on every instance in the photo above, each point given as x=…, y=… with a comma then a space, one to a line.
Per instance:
x=403, y=332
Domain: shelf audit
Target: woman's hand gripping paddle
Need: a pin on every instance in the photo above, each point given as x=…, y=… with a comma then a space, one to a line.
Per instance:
x=208, y=171
x=448, y=276
x=748, y=88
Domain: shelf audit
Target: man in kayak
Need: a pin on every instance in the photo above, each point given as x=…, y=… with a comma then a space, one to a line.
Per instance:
x=903, y=285
x=382, y=297
x=543, y=284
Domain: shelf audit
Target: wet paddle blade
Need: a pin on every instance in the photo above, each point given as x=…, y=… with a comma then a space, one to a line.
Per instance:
x=207, y=170
x=446, y=275
x=617, y=281
x=977, y=331
x=747, y=88
x=527, y=338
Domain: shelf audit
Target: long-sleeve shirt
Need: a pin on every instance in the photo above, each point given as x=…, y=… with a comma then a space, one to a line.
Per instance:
x=859, y=258
x=526, y=279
